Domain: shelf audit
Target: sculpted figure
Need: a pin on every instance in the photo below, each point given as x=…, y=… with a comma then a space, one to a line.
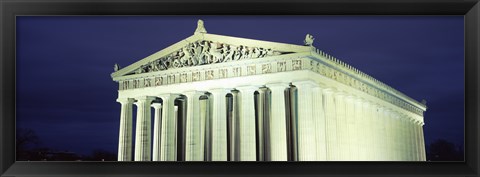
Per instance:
x=228, y=53
x=308, y=40
x=216, y=55
x=238, y=53
x=116, y=67
x=204, y=55
x=244, y=52
x=200, y=27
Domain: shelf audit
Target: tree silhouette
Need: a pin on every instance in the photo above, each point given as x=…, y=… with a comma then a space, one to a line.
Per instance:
x=25, y=139
x=443, y=150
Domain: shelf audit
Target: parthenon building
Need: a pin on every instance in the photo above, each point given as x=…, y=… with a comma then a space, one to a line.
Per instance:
x=219, y=98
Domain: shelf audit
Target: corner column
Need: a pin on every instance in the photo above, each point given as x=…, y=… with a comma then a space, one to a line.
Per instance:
x=306, y=128
x=125, y=134
x=277, y=124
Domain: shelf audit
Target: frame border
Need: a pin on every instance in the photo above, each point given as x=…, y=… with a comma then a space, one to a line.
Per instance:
x=10, y=9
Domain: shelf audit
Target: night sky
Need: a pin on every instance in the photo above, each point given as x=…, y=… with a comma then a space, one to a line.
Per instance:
x=66, y=95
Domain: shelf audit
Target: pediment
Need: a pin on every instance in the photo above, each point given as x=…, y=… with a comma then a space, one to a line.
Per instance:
x=204, y=49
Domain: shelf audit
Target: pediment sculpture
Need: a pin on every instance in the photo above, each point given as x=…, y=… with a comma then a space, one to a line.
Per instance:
x=205, y=52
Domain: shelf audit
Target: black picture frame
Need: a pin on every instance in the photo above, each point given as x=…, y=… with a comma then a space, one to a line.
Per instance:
x=10, y=9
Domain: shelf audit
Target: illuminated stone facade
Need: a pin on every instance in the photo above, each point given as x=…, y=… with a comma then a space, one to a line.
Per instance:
x=222, y=98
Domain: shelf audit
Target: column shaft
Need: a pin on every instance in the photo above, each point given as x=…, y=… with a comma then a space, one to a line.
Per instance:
x=320, y=124
x=330, y=120
x=277, y=124
x=143, y=130
x=125, y=134
x=194, y=146
x=157, y=131
x=169, y=126
x=247, y=124
x=306, y=127
x=219, y=125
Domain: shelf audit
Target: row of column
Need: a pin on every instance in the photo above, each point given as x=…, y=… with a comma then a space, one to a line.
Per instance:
x=301, y=122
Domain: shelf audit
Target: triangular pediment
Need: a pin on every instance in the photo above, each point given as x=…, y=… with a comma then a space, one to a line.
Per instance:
x=203, y=49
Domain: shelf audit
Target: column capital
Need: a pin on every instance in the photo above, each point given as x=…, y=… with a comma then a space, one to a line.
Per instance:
x=219, y=91
x=247, y=88
x=168, y=95
x=305, y=83
x=157, y=105
x=145, y=98
x=329, y=90
x=193, y=93
x=277, y=85
x=125, y=100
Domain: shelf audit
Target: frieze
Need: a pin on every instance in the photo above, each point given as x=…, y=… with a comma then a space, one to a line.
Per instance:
x=205, y=52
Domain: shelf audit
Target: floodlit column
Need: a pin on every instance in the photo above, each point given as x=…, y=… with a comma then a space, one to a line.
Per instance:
x=368, y=131
x=411, y=140
x=389, y=134
x=340, y=125
x=157, y=123
x=349, y=123
x=168, y=142
x=359, y=126
x=143, y=127
x=320, y=124
x=277, y=136
x=219, y=124
x=247, y=123
x=194, y=146
x=396, y=137
x=125, y=134
x=306, y=127
x=330, y=120
x=422, y=143
x=382, y=133
x=262, y=122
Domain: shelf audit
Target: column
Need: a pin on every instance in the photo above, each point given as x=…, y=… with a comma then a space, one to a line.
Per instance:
x=306, y=127
x=382, y=133
x=219, y=124
x=368, y=131
x=157, y=129
x=143, y=127
x=422, y=143
x=205, y=128
x=261, y=123
x=340, y=125
x=411, y=152
x=330, y=121
x=349, y=126
x=320, y=124
x=388, y=132
x=247, y=123
x=125, y=134
x=194, y=146
x=359, y=127
x=277, y=136
x=235, y=128
x=168, y=149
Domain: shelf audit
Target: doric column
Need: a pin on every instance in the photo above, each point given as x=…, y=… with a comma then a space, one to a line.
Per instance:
x=157, y=129
x=382, y=139
x=422, y=143
x=263, y=115
x=125, y=134
x=331, y=127
x=340, y=124
x=306, y=127
x=219, y=124
x=277, y=139
x=143, y=127
x=411, y=149
x=247, y=123
x=349, y=127
x=168, y=149
x=320, y=124
x=359, y=136
x=388, y=134
x=368, y=122
x=194, y=146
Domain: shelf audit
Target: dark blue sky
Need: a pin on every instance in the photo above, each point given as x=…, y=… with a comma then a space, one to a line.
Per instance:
x=65, y=92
